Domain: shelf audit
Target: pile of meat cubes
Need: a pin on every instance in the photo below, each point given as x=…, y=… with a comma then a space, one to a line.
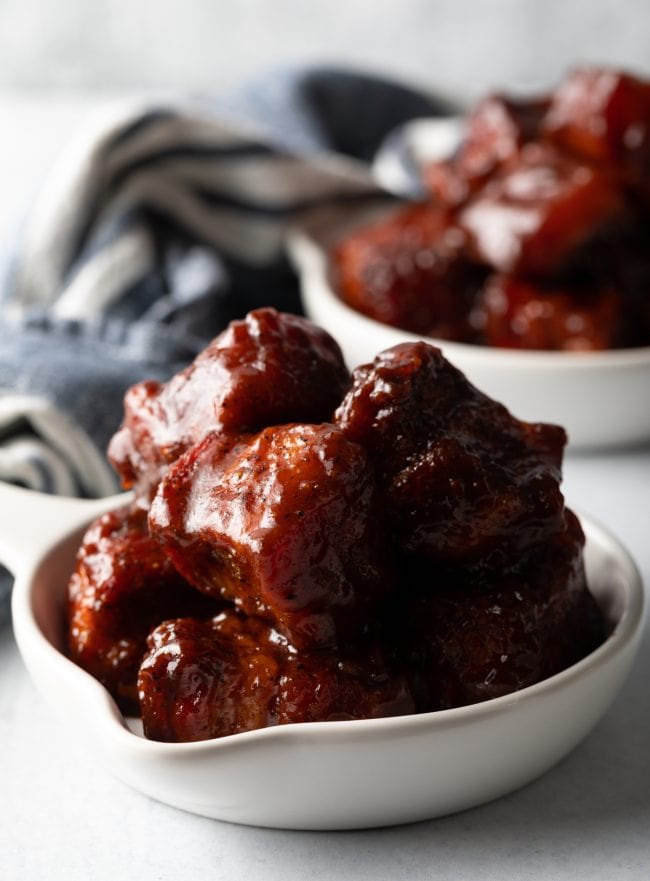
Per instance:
x=304, y=544
x=536, y=234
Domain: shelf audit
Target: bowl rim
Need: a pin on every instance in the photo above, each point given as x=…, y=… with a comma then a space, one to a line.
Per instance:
x=114, y=727
x=309, y=254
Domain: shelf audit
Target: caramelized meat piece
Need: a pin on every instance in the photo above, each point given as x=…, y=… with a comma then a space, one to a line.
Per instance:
x=519, y=315
x=496, y=130
x=552, y=192
x=285, y=524
x=533, y=216
x=122, y=586
x=292, y=535
x=604, y=116
x=268, y=369
x=476, y=633
x=234, y=674
x=410, y=271
x=459, y=474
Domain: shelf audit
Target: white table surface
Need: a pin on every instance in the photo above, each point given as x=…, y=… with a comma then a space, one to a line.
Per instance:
x=63, y=818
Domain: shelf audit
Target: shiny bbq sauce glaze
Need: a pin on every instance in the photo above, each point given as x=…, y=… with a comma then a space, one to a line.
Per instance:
x=235, y=673
x=411, y=554
x=414, y=272
x=267, y=369
x=460, y=477
x=551, y=193
x=122, y=586
x=479, y=632
x=285, y=524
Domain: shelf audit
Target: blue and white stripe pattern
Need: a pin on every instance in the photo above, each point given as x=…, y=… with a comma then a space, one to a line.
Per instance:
x=156, y=228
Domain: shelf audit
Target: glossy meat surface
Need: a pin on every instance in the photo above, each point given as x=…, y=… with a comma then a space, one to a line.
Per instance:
x=234, y=674
x=534, y=215
x=496, y=131
x=602, y=115
x=460, y=476
x=267, y=369
x=413, y=554
x=475, y=634
x=411, y=271
x=515, y=314
x=123, y=586
x=285, y=524
x=552, y=192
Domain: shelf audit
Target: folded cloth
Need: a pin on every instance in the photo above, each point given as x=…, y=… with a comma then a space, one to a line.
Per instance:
x=158, y=226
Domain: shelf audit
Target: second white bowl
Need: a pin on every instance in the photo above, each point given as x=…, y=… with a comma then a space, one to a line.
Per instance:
x=601, y=398
x=318, y=775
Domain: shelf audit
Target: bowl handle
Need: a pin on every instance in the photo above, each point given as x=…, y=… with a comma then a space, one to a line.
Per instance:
x=31, y=521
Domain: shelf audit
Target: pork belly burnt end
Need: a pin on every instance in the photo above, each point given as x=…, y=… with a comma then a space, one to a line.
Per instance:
x=518, y=315
x=472, y=633
x=602, y=115
x=266, y=369
x=234, y=674
x=495, y=133
x=459, y=475
x=533, y=216
x=285, y=524
x=122, y=586
x=411, y=270
x=552, y=193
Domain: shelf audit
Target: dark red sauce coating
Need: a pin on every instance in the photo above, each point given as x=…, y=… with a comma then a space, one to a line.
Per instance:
x=234, y=674
x=285, y=524
x=459, y=475
x=531, y=217
x=479, y=632
x=511, y=311
x=413, y=554
x=123, y=585
x=267, y=369
x=552, y=193
x=496, y=130
x=602, y=115
x=413, y=272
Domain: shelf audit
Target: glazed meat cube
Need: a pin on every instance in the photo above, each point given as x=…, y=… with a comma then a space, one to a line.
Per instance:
x=266, y=369
x=410, y=271
x=476, y=634
x=460, y=476
x=553, y=192
x=518, y=315
x=193, y=686
x=234, y=674
x=445, y=183
x=285, y=524
x=496, y=130
x=532, y=217
x=604, y=116
x=122, y=587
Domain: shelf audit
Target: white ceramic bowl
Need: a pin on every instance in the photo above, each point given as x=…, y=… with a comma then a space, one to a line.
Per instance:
x=601, y=398
x=327, y=775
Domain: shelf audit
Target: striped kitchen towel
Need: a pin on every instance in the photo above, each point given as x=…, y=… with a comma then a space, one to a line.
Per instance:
x=157, y=227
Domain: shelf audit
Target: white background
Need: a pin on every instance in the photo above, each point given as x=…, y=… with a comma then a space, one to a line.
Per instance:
x=63, y=818
x=465, y=46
